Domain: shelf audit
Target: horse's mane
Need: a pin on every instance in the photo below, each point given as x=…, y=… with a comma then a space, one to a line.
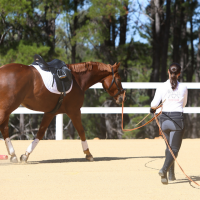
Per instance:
x=88, y=66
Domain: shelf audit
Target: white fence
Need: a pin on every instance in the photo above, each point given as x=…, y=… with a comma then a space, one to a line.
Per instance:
x=112, y=110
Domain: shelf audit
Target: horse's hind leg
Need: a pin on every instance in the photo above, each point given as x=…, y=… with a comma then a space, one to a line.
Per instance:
x=76, y=120
x=5, y=132
x=47, y=118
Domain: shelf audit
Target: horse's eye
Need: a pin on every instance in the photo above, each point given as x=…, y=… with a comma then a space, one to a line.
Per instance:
x=118, y=80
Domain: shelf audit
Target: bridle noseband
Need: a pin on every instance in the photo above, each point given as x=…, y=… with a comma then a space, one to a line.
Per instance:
x=113, y=81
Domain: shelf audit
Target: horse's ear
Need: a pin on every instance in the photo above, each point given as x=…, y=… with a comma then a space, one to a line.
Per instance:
x=116, y=65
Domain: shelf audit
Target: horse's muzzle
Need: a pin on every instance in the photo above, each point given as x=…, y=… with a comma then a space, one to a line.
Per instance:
x=120, y=99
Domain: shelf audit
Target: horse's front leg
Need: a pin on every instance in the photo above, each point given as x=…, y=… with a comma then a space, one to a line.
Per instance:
x=47, y=118
x=76, y=120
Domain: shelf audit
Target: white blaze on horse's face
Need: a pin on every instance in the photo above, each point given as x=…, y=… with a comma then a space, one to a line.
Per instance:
x=112, y=85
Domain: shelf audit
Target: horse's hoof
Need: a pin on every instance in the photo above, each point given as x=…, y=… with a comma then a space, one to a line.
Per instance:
x=23, y=158
x=89, y=158
x=13, y=159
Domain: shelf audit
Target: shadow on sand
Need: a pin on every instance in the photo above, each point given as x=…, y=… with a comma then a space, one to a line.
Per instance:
x=185, y=180
x=96, y=159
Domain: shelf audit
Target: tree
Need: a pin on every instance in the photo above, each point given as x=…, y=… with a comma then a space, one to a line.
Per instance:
x=79, y=31
x=165, y=41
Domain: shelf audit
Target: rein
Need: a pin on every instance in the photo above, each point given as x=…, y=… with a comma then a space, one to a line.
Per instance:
x=155, y=117
x=127, y=130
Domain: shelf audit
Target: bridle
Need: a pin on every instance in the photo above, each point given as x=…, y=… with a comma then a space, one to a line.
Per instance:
x=114, y=81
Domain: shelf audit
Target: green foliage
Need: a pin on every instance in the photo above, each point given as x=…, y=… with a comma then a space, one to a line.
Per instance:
x=30, y=20
x=60, y=54
x=27, y=28
x=91, y=124
x=95, y=31
x=24, y=53
x=139, y=133
x=15, y=10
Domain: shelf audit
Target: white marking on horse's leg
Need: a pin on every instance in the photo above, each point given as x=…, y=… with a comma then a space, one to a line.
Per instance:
x=84, y=145
x=32, y=146
x=9, y=147
x=86, y=151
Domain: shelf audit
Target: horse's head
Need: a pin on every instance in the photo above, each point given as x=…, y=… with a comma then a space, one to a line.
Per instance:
x=112, y=84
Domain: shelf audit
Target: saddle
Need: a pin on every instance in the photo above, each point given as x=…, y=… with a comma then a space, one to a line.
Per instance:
x=61, y=74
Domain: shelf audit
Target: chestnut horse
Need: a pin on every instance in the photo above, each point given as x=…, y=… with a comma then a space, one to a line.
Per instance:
x=22, y=84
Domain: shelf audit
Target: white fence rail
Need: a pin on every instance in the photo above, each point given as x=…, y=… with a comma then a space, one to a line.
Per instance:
x=146, y=85
x=112, y=110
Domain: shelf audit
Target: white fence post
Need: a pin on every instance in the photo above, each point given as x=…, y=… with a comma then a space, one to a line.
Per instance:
x=59, y=127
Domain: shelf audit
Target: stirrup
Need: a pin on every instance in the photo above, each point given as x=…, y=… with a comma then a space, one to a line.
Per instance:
x=60, y=71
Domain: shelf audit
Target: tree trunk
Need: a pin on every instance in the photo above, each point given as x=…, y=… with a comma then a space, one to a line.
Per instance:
x=106, y=47
x=50, y=32
x=195, y=129
x=122, y=40
x=198, y=58
x=178, y=21
x=113, y=33
x=184, y=48
x=112, y=122
x=102, y=130
x=176, y=33
x=190, y=69
x=123, y=27
x=197, y=80
x=165, y=43
x=71, y=131
x=107, y=41
x=157, y=41
x=21, y=125
x=73, y=33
